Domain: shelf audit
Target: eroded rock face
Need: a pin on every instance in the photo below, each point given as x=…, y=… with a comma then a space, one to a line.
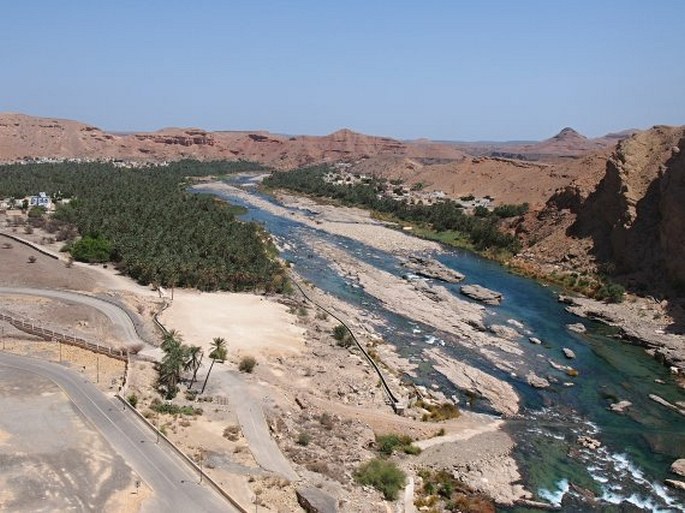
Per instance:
x=636, y=216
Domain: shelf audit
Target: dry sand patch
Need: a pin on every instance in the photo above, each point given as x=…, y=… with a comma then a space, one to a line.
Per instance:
x=249, y=323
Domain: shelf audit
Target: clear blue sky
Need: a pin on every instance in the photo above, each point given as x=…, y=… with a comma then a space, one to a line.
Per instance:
x=511, y=69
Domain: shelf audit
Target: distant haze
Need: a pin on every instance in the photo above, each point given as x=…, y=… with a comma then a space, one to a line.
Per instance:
x=480, y=71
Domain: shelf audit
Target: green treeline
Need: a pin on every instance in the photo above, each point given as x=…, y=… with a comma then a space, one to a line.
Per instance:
x=146, y=222
x=482, y=232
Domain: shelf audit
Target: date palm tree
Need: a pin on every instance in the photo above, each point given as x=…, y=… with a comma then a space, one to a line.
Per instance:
x=171, y=367
x=218, y=352
x=193, y=360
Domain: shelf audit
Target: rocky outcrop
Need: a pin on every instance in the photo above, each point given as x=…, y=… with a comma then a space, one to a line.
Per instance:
x=675, y=484
x=577, y=327
x=429, y=268
x=481, y=294
x=636, y=216
x=314, y=500
x=620, y=407
x=536, y=381
x=500, y=394
x=678, y=467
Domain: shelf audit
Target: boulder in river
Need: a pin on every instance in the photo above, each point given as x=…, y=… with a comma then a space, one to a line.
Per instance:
x=534, y=340
x=674, y=483
x=568, y=353
x=678, y=467
x=578, y=327
x=589, y=443
x=429, y=268
x=487, y=296
x=621, y=406
x=536, y=381
x=664, y=402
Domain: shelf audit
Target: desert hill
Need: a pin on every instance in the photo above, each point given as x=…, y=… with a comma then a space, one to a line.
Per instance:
x=567, y=144
x=436, y=165
x=24, y=136
x=505, y=180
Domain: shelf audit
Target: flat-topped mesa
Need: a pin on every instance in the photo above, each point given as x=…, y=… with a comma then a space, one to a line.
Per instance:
x=429, y=268
x=479, y=293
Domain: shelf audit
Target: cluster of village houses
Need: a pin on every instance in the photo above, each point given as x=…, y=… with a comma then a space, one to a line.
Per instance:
x=415, y=194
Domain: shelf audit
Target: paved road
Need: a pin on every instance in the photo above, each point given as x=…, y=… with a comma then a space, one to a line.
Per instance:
x=248, y=406
x=120, y=319
x=176, y=487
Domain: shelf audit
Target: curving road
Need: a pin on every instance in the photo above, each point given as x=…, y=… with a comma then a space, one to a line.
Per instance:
x=120, y=319
x=175, y=486
x=248, y=409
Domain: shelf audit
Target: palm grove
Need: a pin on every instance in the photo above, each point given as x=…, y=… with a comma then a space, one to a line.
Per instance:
x=146, y=222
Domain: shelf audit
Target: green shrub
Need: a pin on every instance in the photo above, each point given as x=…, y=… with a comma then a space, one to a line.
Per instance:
x=342, y=336
x=340, y=332
x=387, y=444
x=383, y=475
x=92, y=249
x=247, y=364
x=132, y=399
x=611, y=292
x=504, y=211
x=438, y=412
x=37, y=212
x=174, y=409
x=303, y=439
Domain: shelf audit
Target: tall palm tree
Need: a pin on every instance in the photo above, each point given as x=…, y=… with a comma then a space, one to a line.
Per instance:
x=193, y=360
x=218, y=352
x=171, y=338
x=171, y=368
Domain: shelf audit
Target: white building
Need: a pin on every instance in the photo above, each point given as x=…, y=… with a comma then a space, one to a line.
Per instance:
x=42, y=200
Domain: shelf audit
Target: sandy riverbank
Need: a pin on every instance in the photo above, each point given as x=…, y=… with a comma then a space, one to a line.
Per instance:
x=354, y=223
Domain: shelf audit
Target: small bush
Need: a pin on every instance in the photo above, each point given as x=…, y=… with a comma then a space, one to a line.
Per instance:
x=383, y=475
x=438, y=412
x=504, y=211
x=173, y=409
x=247, y=364
x=340, y=332
x=232, y=433
x=303, y=439
x=342, y=336
x=387, y=444
x=326, y=420
x=132, y=399
x=611, y=292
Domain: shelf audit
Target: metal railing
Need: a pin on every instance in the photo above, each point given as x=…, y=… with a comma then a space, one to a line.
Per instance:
x=47, y=334
x=396, y=403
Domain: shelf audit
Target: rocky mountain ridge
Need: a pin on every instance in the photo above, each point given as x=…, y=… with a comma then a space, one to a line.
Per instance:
x=24, y=136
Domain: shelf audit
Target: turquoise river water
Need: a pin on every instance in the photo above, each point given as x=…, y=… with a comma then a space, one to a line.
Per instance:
x=626, y=473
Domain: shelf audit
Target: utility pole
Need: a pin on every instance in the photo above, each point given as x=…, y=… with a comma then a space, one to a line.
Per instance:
x=97, y=363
